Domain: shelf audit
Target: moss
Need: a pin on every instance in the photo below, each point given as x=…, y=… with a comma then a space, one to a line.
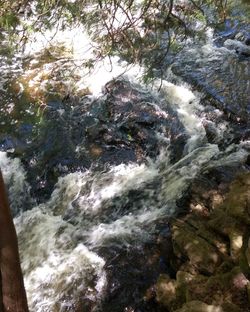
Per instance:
x=199, y=251
x=166, y=291
x=199, y=306
x=217, y=252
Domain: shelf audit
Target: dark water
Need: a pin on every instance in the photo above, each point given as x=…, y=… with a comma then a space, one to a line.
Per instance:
x=94, y=179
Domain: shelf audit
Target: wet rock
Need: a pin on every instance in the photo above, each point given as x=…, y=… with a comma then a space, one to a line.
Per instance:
x=8, y=143
x=240, y=36
x=211, y=131
x=92, y=126
x=247, y=41
x=213, y=70
x=238, y=46
x=114, y=156
x=123, y=125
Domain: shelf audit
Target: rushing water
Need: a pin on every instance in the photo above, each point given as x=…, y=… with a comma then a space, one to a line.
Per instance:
x=88, y=244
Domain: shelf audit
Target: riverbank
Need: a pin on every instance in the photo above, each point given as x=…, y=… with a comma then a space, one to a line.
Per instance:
x=211, y=248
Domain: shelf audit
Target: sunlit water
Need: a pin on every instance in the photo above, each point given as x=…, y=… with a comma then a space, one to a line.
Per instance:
x=61, y=240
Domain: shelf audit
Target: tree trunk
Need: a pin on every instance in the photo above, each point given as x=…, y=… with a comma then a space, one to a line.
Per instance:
x=13, y=296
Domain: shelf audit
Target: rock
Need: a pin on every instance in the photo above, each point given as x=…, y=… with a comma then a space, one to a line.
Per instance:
x=183, y=280
x=227, y=290
x=215, y=252
x=247, y=251
x=247, y=41
x=248, y=292
x=218, y=289
x=238, y=46
x=199, y=306
x=239, y=36
x=123, y=125
x=229, y=227
x=230, y=307
x=244, y=258
x=166, y=291
x=238, y=199
x=232, y=218
x=201, y=254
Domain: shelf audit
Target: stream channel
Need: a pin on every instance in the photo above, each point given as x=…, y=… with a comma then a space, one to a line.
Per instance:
x=96, y=164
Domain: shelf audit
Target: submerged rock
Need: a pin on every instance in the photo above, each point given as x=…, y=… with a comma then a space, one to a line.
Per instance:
x=125, y=124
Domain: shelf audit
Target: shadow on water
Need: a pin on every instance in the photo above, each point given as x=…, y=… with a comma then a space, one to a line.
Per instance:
x=220, y=66
x=55, y=132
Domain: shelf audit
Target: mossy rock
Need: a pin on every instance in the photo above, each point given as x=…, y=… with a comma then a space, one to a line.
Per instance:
x=204, y=231
x=226, y=288
x=199, y=306
x=166, y=291
x=201, y=254
x=184, y=280
x=215, y=254
x=244, y=260
x=232, y=218
x=237, y=202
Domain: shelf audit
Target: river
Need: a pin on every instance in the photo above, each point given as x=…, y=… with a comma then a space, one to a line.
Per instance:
x=95, y=168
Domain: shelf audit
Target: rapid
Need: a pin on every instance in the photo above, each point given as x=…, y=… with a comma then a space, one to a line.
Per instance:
x=89, y=204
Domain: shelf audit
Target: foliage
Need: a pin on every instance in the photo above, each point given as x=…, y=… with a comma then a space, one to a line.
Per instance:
x=136, y=30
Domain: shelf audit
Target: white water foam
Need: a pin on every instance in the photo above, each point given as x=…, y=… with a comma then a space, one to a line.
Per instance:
x=59, y=240
x=58, y=265
x=100, y=204
x=15, y=179
x=79, y=51
x=87, y=210
x=59, y=272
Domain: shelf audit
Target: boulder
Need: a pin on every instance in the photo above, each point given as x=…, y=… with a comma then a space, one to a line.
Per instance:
x=214, y=251
x=232, y=217
x=166, y=291
x=238, y=46
x=247, y=41
x=237, y=202
x=125, y=124
x=201, y=254
x=199, y=306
